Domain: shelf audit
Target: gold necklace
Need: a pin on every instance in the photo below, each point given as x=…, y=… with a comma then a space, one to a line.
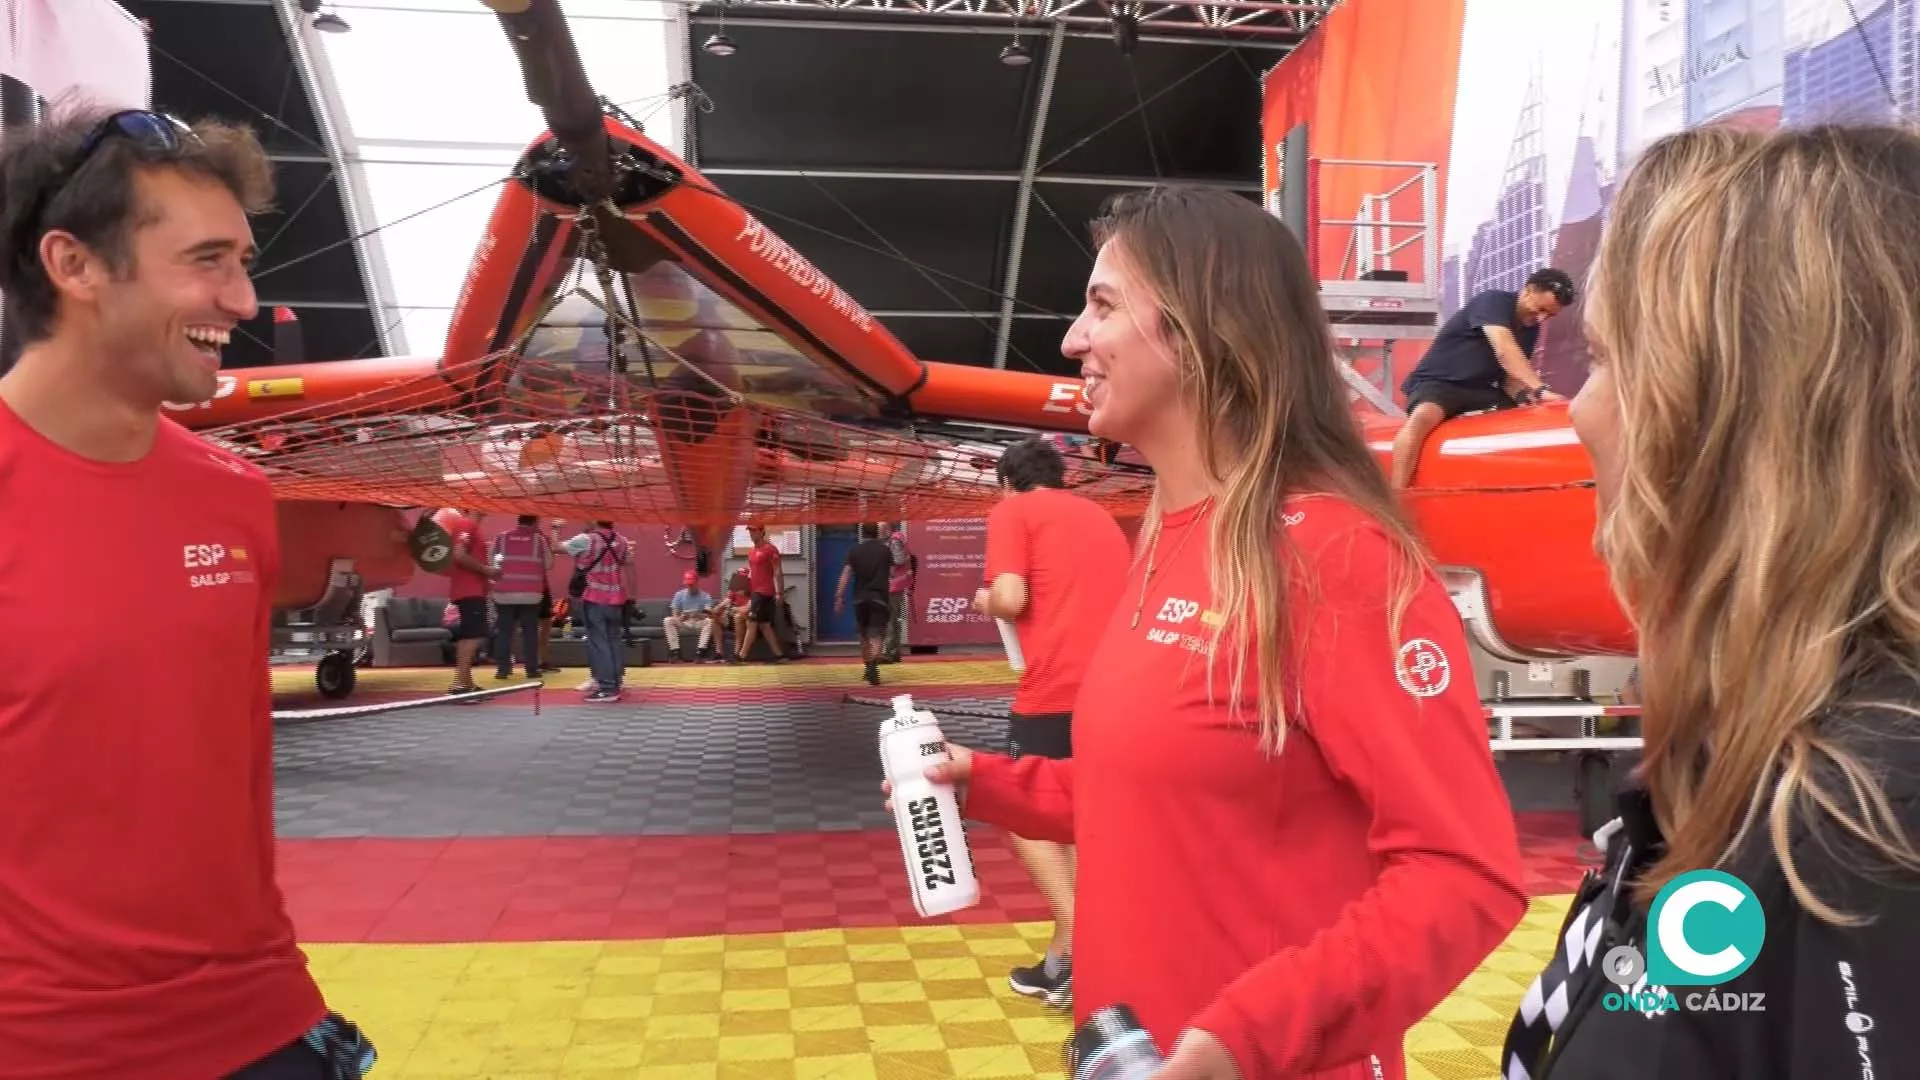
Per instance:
x=1153, y=552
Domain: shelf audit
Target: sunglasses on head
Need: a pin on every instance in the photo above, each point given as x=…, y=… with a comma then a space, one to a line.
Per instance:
x=157, y=133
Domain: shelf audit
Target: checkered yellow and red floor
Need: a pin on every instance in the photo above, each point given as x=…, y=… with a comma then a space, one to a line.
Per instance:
x=511, y=908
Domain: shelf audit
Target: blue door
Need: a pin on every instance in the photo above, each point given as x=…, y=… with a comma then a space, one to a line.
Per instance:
x=830, y=547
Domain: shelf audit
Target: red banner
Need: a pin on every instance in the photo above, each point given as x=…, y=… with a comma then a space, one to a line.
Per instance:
x=953, y=556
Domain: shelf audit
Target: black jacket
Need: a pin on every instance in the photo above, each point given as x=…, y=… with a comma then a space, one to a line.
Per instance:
x=1840, y=1003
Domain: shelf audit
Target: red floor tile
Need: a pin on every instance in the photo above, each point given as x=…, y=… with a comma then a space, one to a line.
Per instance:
x=593, y=888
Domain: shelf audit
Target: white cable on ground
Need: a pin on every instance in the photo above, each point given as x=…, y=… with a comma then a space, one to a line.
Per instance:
x=420, y=703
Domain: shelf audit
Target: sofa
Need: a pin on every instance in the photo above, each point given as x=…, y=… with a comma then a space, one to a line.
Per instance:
x=410, y=631
x=646, y=637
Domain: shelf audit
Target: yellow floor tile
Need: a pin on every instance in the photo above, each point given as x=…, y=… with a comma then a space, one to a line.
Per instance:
x=296, y=680
x=913, y=1003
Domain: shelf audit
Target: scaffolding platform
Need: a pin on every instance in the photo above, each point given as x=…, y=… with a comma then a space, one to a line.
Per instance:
x=1385, y=287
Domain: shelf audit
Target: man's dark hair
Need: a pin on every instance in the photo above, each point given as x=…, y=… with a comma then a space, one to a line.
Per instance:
x=527, y=519
x=1032, y=463
x=1549, y=280
x=42, y=190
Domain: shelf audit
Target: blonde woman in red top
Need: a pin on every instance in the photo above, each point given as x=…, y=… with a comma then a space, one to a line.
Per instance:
x=1292, y=843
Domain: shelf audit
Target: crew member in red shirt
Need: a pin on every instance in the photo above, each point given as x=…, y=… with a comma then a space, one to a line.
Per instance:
x=469, y=575
x=1054, y=563
x=1292, y=842
x=767, y=583
x=142, y=932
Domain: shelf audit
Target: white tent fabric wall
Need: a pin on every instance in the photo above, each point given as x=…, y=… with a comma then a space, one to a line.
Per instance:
x=436, y=108
x=76, y=51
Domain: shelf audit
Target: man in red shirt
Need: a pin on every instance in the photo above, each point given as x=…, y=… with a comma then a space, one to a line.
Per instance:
x=1054, y=563
x=469, y=574
x=142, y=932
x=767, y=583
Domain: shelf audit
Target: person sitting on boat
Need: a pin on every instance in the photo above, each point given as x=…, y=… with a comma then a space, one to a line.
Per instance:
x=1480, y=360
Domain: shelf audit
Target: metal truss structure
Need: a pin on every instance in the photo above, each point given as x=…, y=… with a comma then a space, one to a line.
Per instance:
x=1043, y=27
x=1244, y=21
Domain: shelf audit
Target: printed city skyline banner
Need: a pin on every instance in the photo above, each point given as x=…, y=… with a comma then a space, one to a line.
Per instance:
x=1532, y=114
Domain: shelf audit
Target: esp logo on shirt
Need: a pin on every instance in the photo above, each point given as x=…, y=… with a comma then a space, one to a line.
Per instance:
x=1176, y=611
x=205, y=555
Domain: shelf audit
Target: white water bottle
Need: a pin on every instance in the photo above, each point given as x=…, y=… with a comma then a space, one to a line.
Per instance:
x=1010, y=639
x=933, y=840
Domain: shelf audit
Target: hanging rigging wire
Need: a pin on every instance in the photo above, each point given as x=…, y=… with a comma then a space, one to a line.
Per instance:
x=243, y=102
x=902, y=256
x=768, y=212
x=1146, y=121
x=287, y=222
x=362, y=235
x=1866, y=46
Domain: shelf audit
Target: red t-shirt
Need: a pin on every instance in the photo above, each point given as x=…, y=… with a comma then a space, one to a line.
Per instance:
x=1073, y=556
x=760, y=563
x=1306, y=909
x=462, y=583
x=141, y=926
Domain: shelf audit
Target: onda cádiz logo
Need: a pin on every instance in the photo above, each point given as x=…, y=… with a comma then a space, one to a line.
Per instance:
x=1704, y=929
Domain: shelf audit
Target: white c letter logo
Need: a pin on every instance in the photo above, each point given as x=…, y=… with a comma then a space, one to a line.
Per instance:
x=1673, y=935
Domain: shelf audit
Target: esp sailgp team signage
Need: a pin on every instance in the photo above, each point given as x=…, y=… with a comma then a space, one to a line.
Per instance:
x=953, y=556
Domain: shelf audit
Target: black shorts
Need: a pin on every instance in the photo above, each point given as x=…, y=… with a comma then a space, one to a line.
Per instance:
x=872, y=616
x=761, y=608
x=1455, y=399
x=1049, y=735
x=473, y=619
x=294, y=1061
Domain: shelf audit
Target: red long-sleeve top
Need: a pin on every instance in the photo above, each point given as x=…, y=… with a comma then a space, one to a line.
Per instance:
x=1305, y=909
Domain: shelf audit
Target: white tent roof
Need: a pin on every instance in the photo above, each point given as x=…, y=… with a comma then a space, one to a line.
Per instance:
x=435, y=112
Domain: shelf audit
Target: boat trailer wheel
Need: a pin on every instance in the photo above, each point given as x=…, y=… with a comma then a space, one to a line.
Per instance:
x=335, y=675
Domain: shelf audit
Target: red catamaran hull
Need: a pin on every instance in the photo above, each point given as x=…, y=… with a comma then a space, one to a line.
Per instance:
x=1508, y=495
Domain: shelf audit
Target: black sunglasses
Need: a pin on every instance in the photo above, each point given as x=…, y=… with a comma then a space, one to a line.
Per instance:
x=157, y=133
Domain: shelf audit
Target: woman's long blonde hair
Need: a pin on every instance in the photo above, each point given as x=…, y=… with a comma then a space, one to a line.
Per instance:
x=1240, y=305
x=1757, y=302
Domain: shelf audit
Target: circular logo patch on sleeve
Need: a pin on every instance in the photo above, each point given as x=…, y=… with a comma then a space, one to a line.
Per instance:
x=1423, y=670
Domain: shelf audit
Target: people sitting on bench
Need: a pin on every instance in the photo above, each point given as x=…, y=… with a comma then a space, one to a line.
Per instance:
x=691, y=608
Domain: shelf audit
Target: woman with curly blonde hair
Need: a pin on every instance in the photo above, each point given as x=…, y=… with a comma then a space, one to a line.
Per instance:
x=1753, y=415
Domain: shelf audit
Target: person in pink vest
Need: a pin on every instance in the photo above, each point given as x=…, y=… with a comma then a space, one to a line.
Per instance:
x=603, y=561
x=521, y=557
